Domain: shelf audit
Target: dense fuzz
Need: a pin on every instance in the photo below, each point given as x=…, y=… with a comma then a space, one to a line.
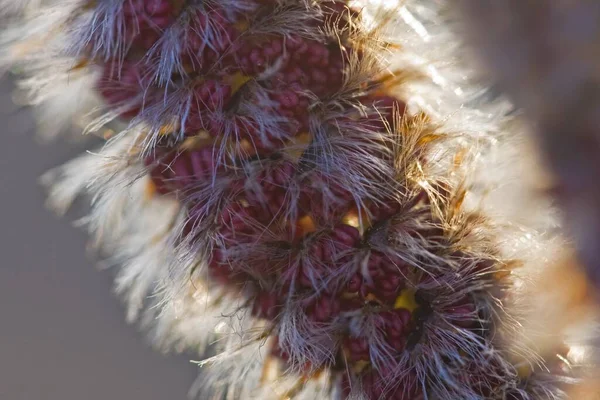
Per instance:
x=278, y=188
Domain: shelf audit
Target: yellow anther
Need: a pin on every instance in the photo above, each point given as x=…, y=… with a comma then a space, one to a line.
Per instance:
x=360, y=365
x=305, y=226
x=246, y=147
x=502, y=274
x=108, y=134
x=238, y=80
x=357, y=218
x=513, y=264
x=242, y=25
x=194, y=142
x=459, y=157
x=244, y=203
x=167, y=129
x=406, y=300
x=371, y=297
x=352, y=220
x=270, y=371
x=302, y=138
x=297, y=145
x=524, y=370
x=80, y=64
x=150, y=190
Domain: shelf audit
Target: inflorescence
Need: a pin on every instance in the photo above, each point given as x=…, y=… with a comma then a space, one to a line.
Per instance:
x=313, y=194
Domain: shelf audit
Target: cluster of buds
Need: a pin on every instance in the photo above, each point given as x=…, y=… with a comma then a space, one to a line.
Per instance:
x=309, y=198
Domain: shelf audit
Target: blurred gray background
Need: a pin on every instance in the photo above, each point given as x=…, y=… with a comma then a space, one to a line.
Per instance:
x=62, y=331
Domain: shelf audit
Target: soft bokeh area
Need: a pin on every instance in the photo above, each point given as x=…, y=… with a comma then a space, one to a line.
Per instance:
x=63, y=335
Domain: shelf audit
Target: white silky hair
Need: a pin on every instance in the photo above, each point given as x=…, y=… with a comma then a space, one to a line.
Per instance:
x=10, y=8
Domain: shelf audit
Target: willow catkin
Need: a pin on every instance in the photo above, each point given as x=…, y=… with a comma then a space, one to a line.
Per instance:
x=301, y=192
